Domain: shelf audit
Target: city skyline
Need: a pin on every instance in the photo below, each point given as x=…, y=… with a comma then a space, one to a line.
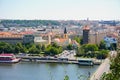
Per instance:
x=60, y=10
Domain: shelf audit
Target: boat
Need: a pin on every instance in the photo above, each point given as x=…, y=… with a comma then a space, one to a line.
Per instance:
x=8, y=58
x=87, y=62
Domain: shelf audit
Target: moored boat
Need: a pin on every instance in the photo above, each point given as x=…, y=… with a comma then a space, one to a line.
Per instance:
x=8, y=58
x=86, y=62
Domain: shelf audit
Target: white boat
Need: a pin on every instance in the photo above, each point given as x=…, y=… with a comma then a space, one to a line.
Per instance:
x=88, y=62
x=8, y=58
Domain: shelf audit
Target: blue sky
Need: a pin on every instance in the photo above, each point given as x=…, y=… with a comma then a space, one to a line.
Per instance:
x=60, y=9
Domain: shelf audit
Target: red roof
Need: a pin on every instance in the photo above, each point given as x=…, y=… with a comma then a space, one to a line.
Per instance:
x=6, y=54
x=86, y=28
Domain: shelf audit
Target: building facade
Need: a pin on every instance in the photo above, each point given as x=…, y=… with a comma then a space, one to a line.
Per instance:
x=10, y=38
x=86, y=31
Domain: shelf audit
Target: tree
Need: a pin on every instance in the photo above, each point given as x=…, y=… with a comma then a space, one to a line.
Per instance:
x=102, y=45
x=79, y=39
x=6, y=47
x=102, y=54
x=80, y=51
x=66, y=77
x=43, y=48
x=90, y=47
x=19, y=48
x=53, y=49
x=69, y=47
x=34, y=49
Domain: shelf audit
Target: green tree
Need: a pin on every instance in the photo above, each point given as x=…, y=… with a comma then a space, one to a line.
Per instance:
x=66, y=77
x=70, y=47
x=19, y=48
x=102, y=45
x=79, y=39
x=53, y=49
x=6, y=47
x=43, y=48
x=34, y=49
x=90, y=47
x=80, y=51
x=102, y=54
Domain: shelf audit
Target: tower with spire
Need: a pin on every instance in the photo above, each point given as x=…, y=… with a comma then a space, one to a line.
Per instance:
x=65, y=33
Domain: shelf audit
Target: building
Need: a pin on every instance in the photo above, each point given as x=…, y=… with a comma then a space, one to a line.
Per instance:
x=86, y=30
x=39, y=40
x=10, y=37
x=30, y=38
x=14, y=38
x=65, y=33
x=96, y=37
x=75, y=44
x=110, y=40
x=63, y=41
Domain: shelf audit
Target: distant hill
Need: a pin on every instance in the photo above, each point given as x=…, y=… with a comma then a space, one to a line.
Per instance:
x=28, y=23
x=35, y=23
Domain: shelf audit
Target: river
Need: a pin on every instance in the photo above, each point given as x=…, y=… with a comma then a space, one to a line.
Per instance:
x=44, y=71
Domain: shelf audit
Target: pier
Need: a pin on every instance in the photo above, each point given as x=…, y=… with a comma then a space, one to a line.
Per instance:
x=48, y=60
x=53, y=60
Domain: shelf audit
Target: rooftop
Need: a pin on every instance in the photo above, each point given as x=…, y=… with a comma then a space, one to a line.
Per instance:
x=86, y=28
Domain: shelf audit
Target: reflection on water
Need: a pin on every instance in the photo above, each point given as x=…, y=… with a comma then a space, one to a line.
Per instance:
x=44, y=71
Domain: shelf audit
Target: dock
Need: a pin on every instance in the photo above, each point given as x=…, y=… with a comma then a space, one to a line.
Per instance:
x=52, y=60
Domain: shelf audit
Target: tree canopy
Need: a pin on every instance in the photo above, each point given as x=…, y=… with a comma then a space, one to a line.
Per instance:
x=53, y=49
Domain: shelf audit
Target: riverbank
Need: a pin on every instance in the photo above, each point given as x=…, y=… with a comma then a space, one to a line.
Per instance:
x=59, y=60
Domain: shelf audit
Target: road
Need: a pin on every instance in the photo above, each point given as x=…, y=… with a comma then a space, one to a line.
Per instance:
x=104, y=67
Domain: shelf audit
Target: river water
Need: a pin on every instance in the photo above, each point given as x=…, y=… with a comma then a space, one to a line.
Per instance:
x=44, y=71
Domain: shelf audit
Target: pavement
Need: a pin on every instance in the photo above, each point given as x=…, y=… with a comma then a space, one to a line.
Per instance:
x=104, y=67
x=70, y=54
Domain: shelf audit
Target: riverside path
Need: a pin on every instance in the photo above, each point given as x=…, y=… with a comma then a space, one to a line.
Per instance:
x=104, y=67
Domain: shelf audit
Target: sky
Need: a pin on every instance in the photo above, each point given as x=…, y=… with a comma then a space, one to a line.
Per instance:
x=60, y=9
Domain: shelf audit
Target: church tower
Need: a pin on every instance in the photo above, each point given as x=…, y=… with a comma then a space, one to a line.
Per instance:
x=65, y=33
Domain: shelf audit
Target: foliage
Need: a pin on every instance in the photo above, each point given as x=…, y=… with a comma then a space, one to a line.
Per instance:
x=6, y=48
x=91, y=50
x=102, y=54
x=27, y=23
x=66, y=77
x=113, y=46
x=114, y=73
x=102, y=45
x=21, y=48
x=69, y=47
x=30, y=48
x=90, y=47
x=79, y=40
x=35, y=23
x=53, y=49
